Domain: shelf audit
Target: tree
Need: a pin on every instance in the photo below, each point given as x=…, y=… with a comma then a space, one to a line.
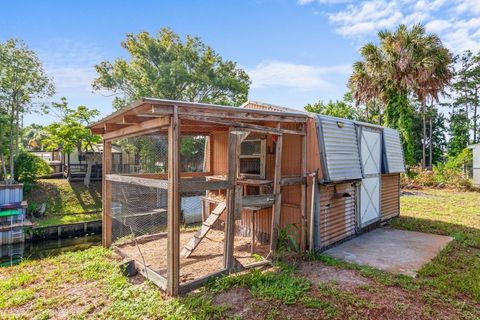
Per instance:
x=71, y=133
x=341, y=109
x=33, y=136
x=458, y=132
x=22, y=83
x=405, y=64
x=164, y=66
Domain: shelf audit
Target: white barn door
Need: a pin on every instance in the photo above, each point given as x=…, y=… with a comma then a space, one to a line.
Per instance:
x=371, y=156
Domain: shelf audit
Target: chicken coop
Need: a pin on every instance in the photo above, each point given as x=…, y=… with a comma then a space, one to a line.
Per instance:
x=209, y=189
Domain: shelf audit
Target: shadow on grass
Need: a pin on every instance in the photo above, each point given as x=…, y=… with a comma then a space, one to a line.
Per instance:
x=93, y=191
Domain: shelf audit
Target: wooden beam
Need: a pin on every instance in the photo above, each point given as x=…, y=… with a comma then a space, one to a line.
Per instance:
x=107, y=195
x=146, y=182
x=253, y=127
x=97, y=130
x=303, y=195
x=278, y=196
x=114, y=126
x=173, y=225
x=245, y=116
x=137, y=129
x=195, y=185
x=194, y=284
x=233, y=147
x=134, y=119
x=263, y=200
x=291, y=181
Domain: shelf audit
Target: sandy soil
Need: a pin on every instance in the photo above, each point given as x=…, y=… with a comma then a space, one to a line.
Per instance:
x=205, y=259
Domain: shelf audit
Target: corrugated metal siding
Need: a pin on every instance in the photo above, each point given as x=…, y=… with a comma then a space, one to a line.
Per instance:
x=390, y=203
x=337, y=215
x=393, y=151
x=339, y=145
x=10, y=194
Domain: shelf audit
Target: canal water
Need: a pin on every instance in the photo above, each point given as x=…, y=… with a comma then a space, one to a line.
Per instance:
x=14, y=253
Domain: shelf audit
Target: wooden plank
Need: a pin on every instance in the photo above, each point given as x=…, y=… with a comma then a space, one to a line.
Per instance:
x=263, y=200
x=245, y=116
x=146, y=182
x=278, y=197
x=173, y=224
x=137, y=129
x=249, y=126
x=192, y=185
x=194, y=284
x=134, y=119
x=303, y=196
x=233, y=147
x=151, y=275
x=97, y=130
x=114, y=126
x=291, y=181
x=107, y=196
x=238, y=202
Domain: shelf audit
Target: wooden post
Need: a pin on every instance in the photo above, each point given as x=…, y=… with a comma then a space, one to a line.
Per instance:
x=107, y=195
x=173, y=240
x=303, y=196
x=231, y=205
x=278, y=196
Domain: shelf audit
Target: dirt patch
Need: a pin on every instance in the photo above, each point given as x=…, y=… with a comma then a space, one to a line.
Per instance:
x=238, y=301
x=415, y=193
x=320, y=273
x=205, y=259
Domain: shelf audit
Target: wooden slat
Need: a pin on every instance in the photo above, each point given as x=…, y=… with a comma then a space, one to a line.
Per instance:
x=138, y=129
x=278, y=197
x=303, y=196
x=134, y=119
x=114, y=126
x=146, y=182
x=290, y=181
x=192, y=185
x=107, y=195
x=254, y=127
x=233, y=151
x=197, y=283
x=173, y=225
x=264, y=200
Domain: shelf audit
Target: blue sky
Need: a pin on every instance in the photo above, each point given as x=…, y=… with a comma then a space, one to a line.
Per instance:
x=295, y=51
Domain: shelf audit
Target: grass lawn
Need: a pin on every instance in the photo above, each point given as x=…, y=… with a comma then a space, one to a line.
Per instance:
x=66, y=202
x=90, y=284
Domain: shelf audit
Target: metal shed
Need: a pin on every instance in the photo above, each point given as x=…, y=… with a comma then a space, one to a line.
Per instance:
x=359, y=166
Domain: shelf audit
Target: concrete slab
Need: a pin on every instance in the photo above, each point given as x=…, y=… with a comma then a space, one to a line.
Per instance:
x=392, y=250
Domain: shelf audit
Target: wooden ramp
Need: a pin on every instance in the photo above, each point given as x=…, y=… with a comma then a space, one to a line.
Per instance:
x=207, y=224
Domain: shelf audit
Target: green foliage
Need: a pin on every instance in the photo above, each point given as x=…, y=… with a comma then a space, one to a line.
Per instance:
x=287, y=239
x=448, y=174
x=165, y=66
x=458, y=131
x=71, y=133
x=22, y=82
x=28, y=167
x=339, y=109
x=280, y=285
x=33, y=136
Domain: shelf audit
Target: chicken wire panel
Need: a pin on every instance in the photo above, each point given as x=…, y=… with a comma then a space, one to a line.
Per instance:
x=202, y=236
x=137, y=210
x=141, y=154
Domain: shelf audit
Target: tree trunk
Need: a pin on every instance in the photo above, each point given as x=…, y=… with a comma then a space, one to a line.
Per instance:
x=424, y=135
x=17, y=132
x=4, y=167
x=430, y=144
x=475, y=109
x=12, y=168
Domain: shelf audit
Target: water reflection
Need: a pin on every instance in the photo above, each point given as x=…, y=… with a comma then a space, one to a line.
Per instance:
x=14, y=253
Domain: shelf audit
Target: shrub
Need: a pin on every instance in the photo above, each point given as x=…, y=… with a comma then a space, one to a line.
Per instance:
x=28, y=167
x=443, y=175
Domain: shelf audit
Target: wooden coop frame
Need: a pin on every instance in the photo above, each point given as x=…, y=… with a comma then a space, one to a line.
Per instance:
x=174, y=118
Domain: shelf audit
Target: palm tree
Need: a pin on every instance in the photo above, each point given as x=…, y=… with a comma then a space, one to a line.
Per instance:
x=405, y=62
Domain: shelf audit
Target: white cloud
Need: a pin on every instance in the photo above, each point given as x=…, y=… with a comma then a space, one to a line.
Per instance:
x=301, y=77
x=71, y=65
x=456, y=22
